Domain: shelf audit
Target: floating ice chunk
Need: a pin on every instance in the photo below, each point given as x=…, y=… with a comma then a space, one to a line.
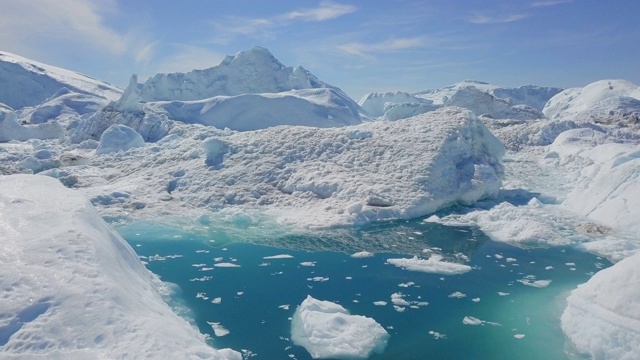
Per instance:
x=318, y=279
x=380, y=303
x=398, y=299
x=308, y=263
x=535, y=283
x=218, y=329
x=282, y=256
x=407, y=284
x=518, y=336
x=433, y=265
x=226, y=265
x=503, y=293
x=327, y=330
x=119, y=138
x=470, y=320
x=457, y=295
x=284, y=307
x=436, y=335
x=217, y=300
x=476, y=299
x=362, y=254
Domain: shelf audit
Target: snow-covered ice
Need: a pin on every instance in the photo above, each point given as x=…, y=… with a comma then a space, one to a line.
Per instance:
x=433, y=265
x=328, y=331
x=73, y=288
x=602, y=317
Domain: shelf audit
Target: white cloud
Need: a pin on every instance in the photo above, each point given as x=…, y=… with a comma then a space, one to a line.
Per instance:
x=484, y=19
x=326, y=11
x=231, y=26
x=549, y=3
x=38, y=22
x=365, y=50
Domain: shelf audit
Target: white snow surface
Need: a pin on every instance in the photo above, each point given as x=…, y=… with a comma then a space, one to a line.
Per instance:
x=324, y=107
x=253, y=71
x=492, y=101
x=12, y=129
x=309, y=178
x=119, y=138
x=74, y=289
x=575, y=103
x=28, y=83
x=327, y=331
x=602, y=317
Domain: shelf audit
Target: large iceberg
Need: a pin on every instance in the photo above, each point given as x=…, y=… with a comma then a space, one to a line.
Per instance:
x=310, y=177
x=328, y=331
x=602, y=317
x=74, y=289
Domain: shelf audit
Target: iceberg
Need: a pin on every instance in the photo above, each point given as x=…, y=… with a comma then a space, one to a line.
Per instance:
x=602, y=318
x=73, y=288
x=328, y=331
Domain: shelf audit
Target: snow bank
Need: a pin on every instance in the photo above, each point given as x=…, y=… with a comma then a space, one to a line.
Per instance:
x=28, y=83
x=602, y=317
x=490, y=106
x=309, y=177
x=119, y=138
x=327, y=331
x=73, y=288
x=309, y=107
x=575, y=103
x=64, y=106
x=11, y=129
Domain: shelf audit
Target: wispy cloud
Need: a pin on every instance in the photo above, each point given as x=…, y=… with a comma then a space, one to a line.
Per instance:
x=549, y=3
x=486, y=18
x=233, y=26
x=392, y=45
x=34, y=22
x=326, y=11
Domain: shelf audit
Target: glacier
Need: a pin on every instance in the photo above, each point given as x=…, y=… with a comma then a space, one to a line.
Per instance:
x=253, y=138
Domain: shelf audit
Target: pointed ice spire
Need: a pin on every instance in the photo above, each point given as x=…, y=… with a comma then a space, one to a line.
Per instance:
x=130, y=100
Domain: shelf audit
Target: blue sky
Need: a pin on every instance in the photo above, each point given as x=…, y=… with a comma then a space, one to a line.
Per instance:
x=360, y=46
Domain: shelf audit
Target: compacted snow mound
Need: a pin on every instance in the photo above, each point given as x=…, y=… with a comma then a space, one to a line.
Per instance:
x=64, y=106
x=602, y=317
x=28, y=83
x=308, y=177
x=328, y=331
x=324, y=107
x=577, y=103
x=377, y=104
x=119, y=138
x=12, y=129
x=74, y=289
x=490, y=106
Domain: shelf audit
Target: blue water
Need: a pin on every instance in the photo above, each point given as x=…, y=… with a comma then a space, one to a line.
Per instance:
x=253, y=295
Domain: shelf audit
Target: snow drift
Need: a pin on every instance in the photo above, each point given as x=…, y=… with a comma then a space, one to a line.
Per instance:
x=74, y=288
